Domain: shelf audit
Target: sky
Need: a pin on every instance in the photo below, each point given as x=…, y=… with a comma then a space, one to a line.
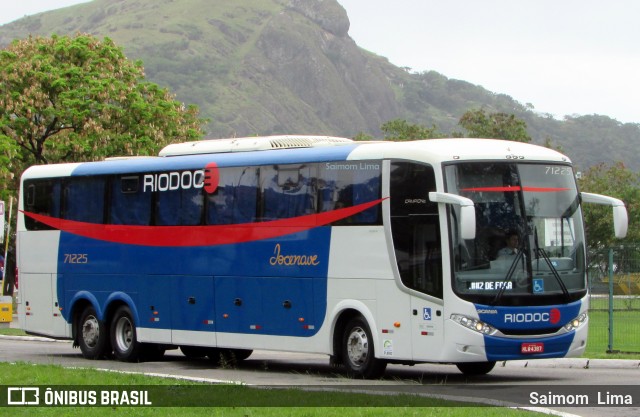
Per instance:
x=564, y=57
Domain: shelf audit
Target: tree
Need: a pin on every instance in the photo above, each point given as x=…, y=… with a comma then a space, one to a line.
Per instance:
x=78, y=98
x=494, y=125
x=362, y=137
x=616, y=181
x=400, y=129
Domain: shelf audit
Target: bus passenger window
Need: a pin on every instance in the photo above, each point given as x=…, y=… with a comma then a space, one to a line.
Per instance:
x=181, y=207
x=347, y=183
x=83, y=199
x=129, y=204
x=287, y=191
x=235, y=199
x=42, y=197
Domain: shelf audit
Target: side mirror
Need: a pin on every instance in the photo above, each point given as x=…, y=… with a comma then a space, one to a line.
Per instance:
x=467, y=212
x=620, y=216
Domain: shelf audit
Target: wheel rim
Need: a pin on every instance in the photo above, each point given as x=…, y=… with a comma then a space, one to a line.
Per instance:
x=124, y=334
x=358, y=346
x=90, y=331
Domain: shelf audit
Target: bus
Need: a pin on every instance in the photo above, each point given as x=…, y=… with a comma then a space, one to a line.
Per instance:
x=369, y=252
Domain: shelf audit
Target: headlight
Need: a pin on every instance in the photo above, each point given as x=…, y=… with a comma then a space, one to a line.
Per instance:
x=473, y=324
x=575, y=323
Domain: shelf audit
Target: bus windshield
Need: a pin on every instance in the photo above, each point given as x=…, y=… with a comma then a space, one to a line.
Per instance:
x=529, y=242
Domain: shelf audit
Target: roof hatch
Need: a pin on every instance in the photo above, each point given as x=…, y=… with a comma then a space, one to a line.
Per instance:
x=262, y=143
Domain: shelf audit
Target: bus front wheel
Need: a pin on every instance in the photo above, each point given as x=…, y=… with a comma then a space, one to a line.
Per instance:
x=123, y=336
x=476, y=368
x=93, y=337
x=358, y=351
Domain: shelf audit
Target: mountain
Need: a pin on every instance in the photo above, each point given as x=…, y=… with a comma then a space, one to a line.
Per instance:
x=259, y=67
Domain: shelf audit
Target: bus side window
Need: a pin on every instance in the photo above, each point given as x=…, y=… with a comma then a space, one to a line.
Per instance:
x=367, y=188
x=181, y=207
x=83, y=199
x=42, y=197
x=287, y=191
x=235, y=199
x=345, y=184
x=129, y=204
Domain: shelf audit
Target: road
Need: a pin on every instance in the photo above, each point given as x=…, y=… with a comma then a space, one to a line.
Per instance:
x=507, y=381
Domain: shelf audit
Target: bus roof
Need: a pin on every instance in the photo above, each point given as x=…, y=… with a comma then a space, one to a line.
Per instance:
x=465, y=149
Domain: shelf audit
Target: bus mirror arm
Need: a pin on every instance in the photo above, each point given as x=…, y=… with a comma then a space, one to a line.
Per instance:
x=467, y=212
x=620, y=216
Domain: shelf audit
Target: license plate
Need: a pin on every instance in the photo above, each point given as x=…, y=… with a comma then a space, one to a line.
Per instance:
x=529, y=348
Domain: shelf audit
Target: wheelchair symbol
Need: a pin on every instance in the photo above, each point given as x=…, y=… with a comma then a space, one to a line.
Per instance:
x=538, y=286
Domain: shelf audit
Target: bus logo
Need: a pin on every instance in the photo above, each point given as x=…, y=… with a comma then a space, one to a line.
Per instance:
x=553, y=317
x=292, y=260
x=211, y=177
x=169, y=181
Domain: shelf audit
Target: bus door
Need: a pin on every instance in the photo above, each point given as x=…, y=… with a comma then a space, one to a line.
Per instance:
x=39, y=309
x=417, y=245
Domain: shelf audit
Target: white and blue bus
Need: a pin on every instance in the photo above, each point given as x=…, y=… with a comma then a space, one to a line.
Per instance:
x=369, y=252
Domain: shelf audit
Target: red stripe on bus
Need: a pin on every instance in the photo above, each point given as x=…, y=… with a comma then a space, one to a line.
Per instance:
x=509, y=188
x=184, y=236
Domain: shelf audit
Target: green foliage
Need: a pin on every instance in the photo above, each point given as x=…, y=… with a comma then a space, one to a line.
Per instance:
x=498, y=125
x=548, y=143
x=401, y=130
x=362, y=137
x=617, y=181
x=592, y=139
x=78, y=98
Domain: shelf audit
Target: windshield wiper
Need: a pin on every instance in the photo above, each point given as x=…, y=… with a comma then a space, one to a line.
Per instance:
x=541, y=252
x=510, y=272
x=554, y=272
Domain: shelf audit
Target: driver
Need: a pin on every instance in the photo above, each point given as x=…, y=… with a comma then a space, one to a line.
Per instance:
x=511, y=240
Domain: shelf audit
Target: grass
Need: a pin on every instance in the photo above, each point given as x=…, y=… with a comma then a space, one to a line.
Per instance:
x=271, y=402
x=12, y=332
x=626, y=328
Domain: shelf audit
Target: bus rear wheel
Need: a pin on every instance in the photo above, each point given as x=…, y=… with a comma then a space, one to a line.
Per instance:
x=92, y=335
x=358, y=354
x=152, y=351
x=476, y=368
x=123, y=336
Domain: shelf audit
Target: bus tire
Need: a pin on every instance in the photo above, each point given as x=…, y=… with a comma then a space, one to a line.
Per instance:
x=476, y=368
x=152, y=351
x=123, y=336
x=93, y=336
x=358, y=354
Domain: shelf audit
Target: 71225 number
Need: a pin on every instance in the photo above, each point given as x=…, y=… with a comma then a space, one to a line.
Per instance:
x=76, y=258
